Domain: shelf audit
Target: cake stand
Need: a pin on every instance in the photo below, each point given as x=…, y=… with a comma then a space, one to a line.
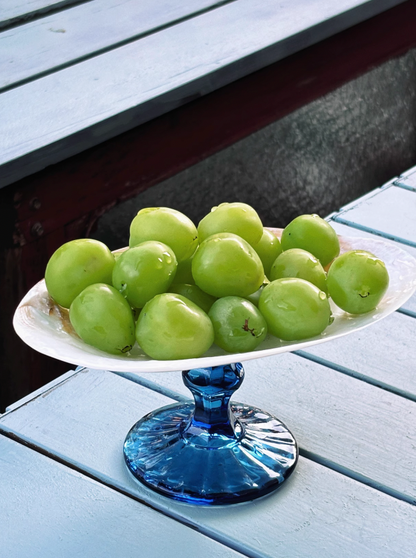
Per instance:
x=210, y=451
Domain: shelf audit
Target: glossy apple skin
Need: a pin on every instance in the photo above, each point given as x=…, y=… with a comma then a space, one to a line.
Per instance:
x=235, y=217
x=294, y=309
x=172, y=327
x=165, y=225
x=144, y=271
x=225, y=265
x=268, y=249
x=76, y=265
x=357, y=281
x=314, y=234
x=102, y=317
x=238, y=324
x=299, y=263
x=194, y=294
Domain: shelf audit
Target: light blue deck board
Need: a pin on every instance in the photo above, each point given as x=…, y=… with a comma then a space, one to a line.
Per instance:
x=350, y=230
x=49, y=510
x=85, y=422
x=385, y=354
x=13, y=11
x=59, y=115
x=389, y=212
x=407, y=180
x=64, y=38
x=53, y=383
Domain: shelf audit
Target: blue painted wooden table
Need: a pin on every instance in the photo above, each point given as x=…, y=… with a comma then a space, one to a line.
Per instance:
x=351, y=404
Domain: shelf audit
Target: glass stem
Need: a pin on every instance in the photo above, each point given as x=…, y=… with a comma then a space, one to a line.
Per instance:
x=212, y=419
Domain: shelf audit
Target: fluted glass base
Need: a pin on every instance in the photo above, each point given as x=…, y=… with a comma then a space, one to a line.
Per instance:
x=211, y=452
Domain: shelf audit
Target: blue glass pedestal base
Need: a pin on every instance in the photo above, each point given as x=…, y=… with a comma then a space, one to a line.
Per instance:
x=211, y=452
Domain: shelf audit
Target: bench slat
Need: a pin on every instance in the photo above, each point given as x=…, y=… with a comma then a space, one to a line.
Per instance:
x=71, y=35
x=384, y=353
x=407, y=179
x=62, y=114
x=69, y=422
x=12, y=12
x=388, y=212
x=49, y=510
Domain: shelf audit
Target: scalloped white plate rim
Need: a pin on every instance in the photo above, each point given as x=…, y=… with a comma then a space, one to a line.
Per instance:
x=43, y=325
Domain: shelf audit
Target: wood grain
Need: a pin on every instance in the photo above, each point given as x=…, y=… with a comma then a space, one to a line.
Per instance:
x=12, y=13
x=384, y=354
x=388, y=212
x=57, y=116
x=72, y=35
x=51, y=510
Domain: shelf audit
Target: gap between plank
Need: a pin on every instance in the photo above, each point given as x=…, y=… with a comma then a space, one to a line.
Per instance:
x=187, y=522
x=28, y=17
x=113, y=46
x=376, y=232
x=356, y=476
x=410, y=313
x=356, y=375
x=151, y=385
x=404, y=185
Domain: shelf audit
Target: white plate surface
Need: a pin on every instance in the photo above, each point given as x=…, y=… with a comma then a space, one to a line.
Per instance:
x=45, y=327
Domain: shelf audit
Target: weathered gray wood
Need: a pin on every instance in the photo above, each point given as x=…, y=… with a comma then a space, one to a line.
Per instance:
x=13, y=11
x=65, y=113
x=71, y=35
x=345, y=230
x=49, y=510
x=388, y=211
x=85, y=420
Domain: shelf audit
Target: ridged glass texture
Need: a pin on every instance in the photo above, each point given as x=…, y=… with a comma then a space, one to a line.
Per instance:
x=211, y=451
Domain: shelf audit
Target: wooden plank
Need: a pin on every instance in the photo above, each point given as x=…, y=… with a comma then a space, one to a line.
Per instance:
x=383, y=354
x=65, y=113
x=350, y=230
x=85, y=420
x=410, y=305
x=69, y=36
x=55, y=382
x=11, y=13
x=389, y=212
x=49, y=510
x=407, y=180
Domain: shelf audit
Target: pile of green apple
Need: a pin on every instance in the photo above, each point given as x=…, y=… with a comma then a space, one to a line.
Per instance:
x=179, y=288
